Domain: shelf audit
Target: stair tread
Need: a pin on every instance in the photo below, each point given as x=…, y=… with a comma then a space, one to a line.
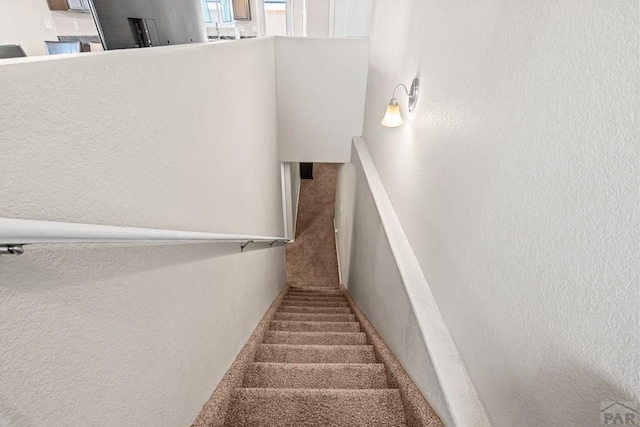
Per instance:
x=316, y=296
x=294, y=309
x=299, y=303
x=318, y=338
x=316, y=375
x=315, y=407
x=315, y=292
x=315, y=299
x=316, y=317
x=313, y=353
x=314, y=326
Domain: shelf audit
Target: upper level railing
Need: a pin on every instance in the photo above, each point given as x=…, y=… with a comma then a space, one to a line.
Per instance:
x=15, y=233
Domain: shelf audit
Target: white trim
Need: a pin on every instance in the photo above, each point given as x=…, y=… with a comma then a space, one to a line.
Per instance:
x=304, y=18
x=295, y=214
x=285, y=175
x=335, y=237
x=457, y=388
x=289, y=215
x=28, y=231
x=288, y=14
x=261, y=18
x=332, y=18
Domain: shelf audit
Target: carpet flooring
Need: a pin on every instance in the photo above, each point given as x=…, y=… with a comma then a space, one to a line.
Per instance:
x=321, y=372
x=311, y=258
x=315, y=360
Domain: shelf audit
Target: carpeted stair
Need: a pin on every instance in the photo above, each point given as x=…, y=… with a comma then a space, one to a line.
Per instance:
x=315, y=367
x=315, y=359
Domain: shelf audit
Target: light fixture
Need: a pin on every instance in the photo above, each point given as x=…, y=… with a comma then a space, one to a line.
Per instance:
x=392, y=117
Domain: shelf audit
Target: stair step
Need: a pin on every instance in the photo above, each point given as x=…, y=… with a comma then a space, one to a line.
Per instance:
x=315, y=303
x=294, y=309
x=316, y=317
x=286, y=353
x=319, y=338
x=299, y=299
x=332, y=292
x=298, y=326
x=317, y=294
x=315, y=407
x=315, y=289
x=316, y=375
x=312, y=302
x=314, y=298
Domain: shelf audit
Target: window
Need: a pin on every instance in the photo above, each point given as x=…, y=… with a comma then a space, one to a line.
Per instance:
x=275, y=17
x=217, y=12
x=79, y=5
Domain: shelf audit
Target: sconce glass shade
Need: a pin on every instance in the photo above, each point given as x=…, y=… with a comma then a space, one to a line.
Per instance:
x=392, y=117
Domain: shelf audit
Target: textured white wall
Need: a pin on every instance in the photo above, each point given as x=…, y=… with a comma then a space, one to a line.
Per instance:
x=516, y=182
x=135, y=335
x=321, y=92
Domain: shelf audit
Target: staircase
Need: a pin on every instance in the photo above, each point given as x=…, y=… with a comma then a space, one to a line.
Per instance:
x=315, y=367
x=314, y=359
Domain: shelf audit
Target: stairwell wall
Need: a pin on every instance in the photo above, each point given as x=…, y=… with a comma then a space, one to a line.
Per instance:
x=515, y=181
x=180, y=137
x=321, y=92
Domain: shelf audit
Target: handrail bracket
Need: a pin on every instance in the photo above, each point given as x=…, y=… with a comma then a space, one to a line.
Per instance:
x=11, y=250
x=245, y=244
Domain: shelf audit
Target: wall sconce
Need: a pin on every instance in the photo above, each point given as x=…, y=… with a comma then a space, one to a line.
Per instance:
x=392, y=117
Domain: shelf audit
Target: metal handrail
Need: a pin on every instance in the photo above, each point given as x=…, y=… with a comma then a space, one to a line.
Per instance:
x=15, y=233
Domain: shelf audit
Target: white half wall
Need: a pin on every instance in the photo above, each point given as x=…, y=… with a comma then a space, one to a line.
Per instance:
x=516, y=182
x=321, y=92
x=135, y=334
x=386, y=281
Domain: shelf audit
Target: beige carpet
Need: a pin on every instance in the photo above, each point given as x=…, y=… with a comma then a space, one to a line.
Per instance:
x=327, y=375
x=315, y=360
x=311, y=258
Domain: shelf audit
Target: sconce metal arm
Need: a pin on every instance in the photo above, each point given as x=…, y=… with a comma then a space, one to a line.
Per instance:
x=412, y=93
x=404, y=87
